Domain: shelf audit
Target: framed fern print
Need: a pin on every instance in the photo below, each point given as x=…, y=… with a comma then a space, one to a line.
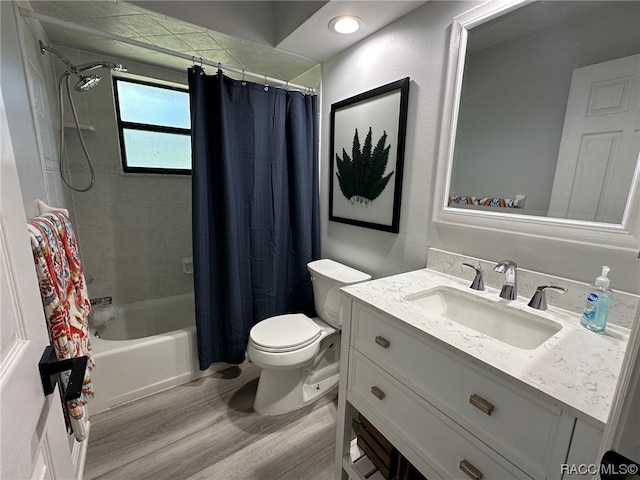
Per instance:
x=367, y=157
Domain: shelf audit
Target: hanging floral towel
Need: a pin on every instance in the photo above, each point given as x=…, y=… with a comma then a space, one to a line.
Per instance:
x=65, y=301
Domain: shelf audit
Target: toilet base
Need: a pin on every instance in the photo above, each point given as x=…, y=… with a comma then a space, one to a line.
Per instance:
x=284, y=391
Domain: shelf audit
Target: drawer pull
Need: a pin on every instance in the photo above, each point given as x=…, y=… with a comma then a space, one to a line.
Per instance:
x=383, y=342
x=481, y=404
x=468, y=468
x=377, y=392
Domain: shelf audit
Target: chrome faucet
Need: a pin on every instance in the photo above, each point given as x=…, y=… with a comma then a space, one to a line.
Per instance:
x=478, y=282
x=539, y=300
x=510, y=287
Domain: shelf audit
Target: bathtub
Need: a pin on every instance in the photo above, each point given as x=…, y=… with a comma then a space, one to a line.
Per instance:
x=151, y=346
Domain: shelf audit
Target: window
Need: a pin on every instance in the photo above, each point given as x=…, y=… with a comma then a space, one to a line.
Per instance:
x=154, y=125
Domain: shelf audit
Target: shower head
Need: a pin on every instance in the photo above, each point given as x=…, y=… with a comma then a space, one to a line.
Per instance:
x=87, y=83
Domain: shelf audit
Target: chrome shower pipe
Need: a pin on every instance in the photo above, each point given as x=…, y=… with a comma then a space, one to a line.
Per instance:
x=71, y=67
x=85, y=82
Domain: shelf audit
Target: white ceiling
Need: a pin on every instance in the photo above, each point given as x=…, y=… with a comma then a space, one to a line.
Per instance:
x=281, y=39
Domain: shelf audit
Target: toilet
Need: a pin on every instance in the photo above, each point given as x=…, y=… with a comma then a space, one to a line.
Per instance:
x=300, y=356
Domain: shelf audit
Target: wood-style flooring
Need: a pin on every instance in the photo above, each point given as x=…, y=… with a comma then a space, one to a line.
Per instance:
x=207, y=429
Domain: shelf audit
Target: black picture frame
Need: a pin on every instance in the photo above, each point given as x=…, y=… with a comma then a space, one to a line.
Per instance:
x=365, y=184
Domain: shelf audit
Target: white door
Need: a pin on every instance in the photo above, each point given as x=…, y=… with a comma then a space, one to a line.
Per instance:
x=600, y=142
x=33, y=439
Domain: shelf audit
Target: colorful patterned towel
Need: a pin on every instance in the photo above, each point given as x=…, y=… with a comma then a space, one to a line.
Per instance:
x=65, y=301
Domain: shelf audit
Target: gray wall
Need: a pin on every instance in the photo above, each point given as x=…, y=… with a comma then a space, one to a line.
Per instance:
x=417, y=46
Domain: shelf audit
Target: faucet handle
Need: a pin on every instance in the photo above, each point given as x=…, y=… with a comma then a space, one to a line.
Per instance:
x=539, y=299
x=478, y=280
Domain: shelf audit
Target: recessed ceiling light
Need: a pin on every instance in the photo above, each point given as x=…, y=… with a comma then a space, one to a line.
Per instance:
x=346, y=24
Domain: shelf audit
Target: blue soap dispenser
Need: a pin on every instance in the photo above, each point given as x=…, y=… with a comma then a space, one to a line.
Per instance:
x=596, y=308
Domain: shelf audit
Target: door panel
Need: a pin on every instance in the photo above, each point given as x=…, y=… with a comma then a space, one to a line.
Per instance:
x=600, y=142
x=33, y=438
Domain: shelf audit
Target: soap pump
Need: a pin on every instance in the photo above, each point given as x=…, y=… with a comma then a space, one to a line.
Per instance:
x=596, y=308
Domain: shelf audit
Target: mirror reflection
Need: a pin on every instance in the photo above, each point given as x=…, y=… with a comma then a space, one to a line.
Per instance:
x=548, y=120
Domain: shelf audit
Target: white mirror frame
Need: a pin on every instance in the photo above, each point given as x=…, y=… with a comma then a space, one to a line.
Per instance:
x=625, y=235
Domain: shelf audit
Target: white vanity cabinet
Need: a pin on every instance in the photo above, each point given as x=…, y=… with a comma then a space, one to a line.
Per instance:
x=449, y=416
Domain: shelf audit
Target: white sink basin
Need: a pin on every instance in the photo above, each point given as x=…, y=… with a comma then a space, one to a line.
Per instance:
x=509, y=325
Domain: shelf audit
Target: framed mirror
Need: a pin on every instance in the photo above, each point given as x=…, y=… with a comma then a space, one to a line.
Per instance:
x=541, y=125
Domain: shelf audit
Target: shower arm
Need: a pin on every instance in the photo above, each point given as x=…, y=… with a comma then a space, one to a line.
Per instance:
x=78, y=70
x=70, y=67
x=87, y=67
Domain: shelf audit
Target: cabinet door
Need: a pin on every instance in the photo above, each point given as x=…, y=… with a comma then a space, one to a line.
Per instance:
x=582, y=460
x=427, y=435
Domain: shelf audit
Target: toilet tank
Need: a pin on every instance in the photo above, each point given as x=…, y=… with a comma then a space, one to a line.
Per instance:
x=327, y=278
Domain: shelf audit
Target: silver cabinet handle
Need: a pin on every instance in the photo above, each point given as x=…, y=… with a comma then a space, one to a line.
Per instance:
x=377, y=392
x=481, y=404
x=468, y=468
x=383, y=342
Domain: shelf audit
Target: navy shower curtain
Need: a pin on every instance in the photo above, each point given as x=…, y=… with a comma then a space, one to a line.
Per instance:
x=255, y=208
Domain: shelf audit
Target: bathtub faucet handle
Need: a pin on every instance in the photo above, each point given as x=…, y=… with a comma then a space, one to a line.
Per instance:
x=101, y=301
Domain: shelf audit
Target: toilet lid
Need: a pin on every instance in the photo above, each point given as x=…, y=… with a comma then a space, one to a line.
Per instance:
x=285, y=332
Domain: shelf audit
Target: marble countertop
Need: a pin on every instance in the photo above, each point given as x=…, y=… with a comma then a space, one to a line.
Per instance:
x=575, y=369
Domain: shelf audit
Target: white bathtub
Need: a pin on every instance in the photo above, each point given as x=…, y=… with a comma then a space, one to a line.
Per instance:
x=151, y=346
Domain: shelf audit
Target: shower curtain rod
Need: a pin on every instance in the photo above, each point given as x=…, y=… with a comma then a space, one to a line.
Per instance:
x=195, y=60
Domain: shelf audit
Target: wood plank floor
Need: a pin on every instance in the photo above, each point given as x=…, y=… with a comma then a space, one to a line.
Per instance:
x=207, y=429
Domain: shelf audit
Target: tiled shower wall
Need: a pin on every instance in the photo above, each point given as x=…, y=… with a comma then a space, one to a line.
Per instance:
x=37, y=151
x=134, y=230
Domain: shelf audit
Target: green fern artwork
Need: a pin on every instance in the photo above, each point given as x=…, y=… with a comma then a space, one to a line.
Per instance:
x=361, y=176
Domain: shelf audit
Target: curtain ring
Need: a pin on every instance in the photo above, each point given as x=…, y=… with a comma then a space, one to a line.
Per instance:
x=243, y=80
x=286, y=87
x=195, y=64
x=266, y=85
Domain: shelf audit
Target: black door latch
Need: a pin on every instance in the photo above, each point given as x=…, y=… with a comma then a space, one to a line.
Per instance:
x=50, y=366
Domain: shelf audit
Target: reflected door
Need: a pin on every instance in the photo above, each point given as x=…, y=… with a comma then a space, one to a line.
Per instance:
x=600, y=142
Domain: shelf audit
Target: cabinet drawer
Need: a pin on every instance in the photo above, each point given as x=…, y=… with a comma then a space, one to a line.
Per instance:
x=522, y=429
x=446, y=447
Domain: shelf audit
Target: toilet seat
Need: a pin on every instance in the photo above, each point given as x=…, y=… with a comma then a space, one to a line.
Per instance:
x=285, y=333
